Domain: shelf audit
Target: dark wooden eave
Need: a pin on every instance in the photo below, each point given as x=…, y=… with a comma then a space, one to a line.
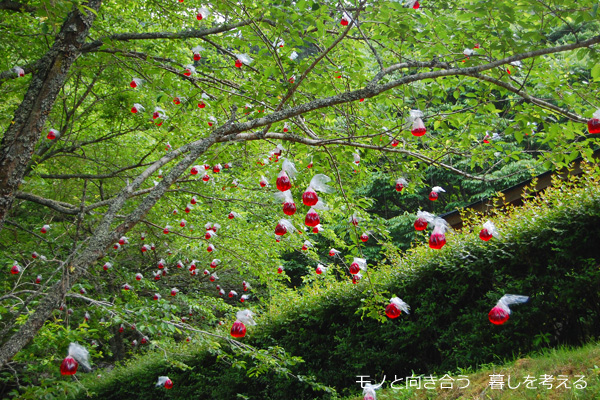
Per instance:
x=514, y=194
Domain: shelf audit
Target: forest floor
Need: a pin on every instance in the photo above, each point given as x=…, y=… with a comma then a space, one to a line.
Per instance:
x=562, y=373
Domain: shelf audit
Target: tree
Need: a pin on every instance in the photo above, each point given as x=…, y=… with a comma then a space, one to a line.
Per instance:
x=337, y=95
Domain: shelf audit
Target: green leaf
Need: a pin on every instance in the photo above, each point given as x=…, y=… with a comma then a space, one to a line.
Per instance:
x=595, y=72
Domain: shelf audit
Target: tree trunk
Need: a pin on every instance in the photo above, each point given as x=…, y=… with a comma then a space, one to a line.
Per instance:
x=94, y=247
x=48, y=78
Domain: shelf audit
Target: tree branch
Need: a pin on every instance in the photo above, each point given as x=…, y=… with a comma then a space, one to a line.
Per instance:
x=187, y=34
x=16, y=6
x=23, y=133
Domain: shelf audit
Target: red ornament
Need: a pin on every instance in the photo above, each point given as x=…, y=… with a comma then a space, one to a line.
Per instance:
x=310, y=198
x=395, y=308
x=52, y=134
x=498, y=315
x=68, y=366
x=420, y=224
x=419, y=131
x=392, y=311
x=594, y=123
x=280, y=230
x=312, y=218
x=485, y=235
x=283, y=182
x=238, y=329
x=437, y=240
x=289, y=208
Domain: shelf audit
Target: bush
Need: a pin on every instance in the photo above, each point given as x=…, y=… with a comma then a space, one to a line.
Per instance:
x=548, y=251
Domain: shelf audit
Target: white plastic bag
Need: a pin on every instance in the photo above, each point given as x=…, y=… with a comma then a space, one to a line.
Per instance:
x=369, y=392
x=283, y=227
x=77, y=355
x=317, y=184
x=196, y=52
x=288, y=171
x=489, y=231
x=418, y=127
x=437, y=240
x=263, y=182
x=401, y=183
x=312, y=219
x=165, y=382
x=189, y=70
x=242, y=59
x=137, y=107
x=395, y=308
x=500, y=313
x=135, y=82
x=594, y=123
x=357, y=265
x=289, y=206
x=354, y=220
x=244, y=317
x=433, y=196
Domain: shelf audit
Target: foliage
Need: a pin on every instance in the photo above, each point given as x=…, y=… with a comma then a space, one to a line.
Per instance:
x=516, y=106
x=562, y=363
x=450, y=293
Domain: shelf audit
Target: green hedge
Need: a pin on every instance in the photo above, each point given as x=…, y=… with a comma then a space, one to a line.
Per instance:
x=548, y=250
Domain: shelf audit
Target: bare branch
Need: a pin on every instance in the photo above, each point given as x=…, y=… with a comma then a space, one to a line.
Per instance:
x=192, y=33
x=91, y=176
x=59, y=206
x=534, y=100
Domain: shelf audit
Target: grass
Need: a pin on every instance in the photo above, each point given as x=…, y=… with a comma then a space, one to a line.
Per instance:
x=565, y=363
